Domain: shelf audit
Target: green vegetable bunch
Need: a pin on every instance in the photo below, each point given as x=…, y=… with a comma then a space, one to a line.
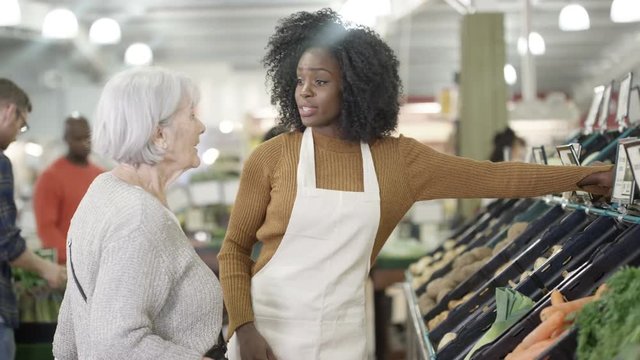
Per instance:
x=607, y=326
x=37, y=302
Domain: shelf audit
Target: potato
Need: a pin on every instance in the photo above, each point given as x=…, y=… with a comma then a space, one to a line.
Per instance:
x=437, y=285
x=481, y=252
x=458, y=275
x=449, y=244
x=539, y=262
x=471, y=269
x=446, y=339
x=425, y=304
x=454, y=303
x=433, y=323
x=463, y=260
x=516, y=230
x=442, y=294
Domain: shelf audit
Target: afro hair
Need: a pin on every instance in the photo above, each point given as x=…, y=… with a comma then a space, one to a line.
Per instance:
x=371, y=86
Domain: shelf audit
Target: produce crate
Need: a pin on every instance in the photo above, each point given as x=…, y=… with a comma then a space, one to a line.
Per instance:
x=33, y=341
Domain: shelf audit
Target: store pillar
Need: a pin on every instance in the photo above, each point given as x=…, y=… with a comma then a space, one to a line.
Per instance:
x=483, y=92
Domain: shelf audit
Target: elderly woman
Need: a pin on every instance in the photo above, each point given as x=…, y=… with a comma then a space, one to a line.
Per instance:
x=139, y=290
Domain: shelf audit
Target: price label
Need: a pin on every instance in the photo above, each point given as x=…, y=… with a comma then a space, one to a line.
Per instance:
x=539, y=155
x=623, y=186
x=569, y=155
x=623, y=100
x=632, y=150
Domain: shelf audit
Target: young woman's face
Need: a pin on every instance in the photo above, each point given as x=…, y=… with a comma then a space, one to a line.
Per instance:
x=319, y=91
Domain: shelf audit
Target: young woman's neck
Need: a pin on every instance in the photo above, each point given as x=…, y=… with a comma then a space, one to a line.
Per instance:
x=328, y=131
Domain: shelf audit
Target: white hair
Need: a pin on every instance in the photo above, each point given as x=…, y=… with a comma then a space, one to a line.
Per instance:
x=133, y=104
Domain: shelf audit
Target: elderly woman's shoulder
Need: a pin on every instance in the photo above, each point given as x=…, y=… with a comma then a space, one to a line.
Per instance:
x=110, y=196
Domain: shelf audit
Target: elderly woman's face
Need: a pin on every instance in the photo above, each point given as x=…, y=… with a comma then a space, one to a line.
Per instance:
x=182, y=136
x=319, y=91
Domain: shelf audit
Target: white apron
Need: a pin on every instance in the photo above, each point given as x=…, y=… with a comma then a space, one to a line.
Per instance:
x=309, y=299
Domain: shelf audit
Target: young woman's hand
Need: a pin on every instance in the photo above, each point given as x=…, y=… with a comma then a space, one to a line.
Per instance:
x=600, y=183
x=252, y=345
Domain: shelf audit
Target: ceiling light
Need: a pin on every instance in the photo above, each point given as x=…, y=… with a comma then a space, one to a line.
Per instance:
x=226, y=126
x=105, y=31
x=510, y=75
x=60, y=24
x=536, y=44
x=522, y=45
x=201, y=236
x=138, y=54
x=10, y=13
x=210, y=156
x=365, y=12
x=624, y=11
x=33, y=149
x=573, y=17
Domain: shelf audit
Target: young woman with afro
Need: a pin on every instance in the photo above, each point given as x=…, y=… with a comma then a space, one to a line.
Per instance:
x=324, y=197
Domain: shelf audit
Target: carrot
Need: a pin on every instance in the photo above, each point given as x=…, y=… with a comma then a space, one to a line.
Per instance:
x=601, y=290
x=517, y=350
x=560, y=331
x=571, y=306
x=547, y=312
x=532, y=352
x=556, y=297
x=576, y=305
x=535, y=350
x=544, y=330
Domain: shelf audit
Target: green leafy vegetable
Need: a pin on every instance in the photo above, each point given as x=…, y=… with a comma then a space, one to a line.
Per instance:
x=511, y=306
x=608, y=326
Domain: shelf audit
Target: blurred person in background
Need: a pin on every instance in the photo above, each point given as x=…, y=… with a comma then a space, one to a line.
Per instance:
x=62, y=185
x=507, y=146
x=14, y=107
x=138, y=289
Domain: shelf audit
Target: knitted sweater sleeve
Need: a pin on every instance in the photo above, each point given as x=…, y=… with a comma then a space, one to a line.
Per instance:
x=247, y=215
x=433, y=175
x=64, y=342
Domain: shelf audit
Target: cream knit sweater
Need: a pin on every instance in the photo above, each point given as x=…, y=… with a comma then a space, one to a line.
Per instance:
x=149, y=294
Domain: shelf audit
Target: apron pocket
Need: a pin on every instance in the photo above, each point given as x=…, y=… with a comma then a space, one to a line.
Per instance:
x=290, y=339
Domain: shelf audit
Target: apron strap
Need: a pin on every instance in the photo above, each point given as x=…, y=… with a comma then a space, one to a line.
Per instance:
x=369, y=170
x=307, y=162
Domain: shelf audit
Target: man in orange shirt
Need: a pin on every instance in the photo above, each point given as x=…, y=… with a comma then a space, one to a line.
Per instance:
x=62, y=185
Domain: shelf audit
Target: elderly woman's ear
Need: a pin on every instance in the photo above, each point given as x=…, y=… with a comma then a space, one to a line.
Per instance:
x=159, y=140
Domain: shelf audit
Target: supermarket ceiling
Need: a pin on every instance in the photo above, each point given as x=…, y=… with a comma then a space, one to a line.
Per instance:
x=236, y=31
